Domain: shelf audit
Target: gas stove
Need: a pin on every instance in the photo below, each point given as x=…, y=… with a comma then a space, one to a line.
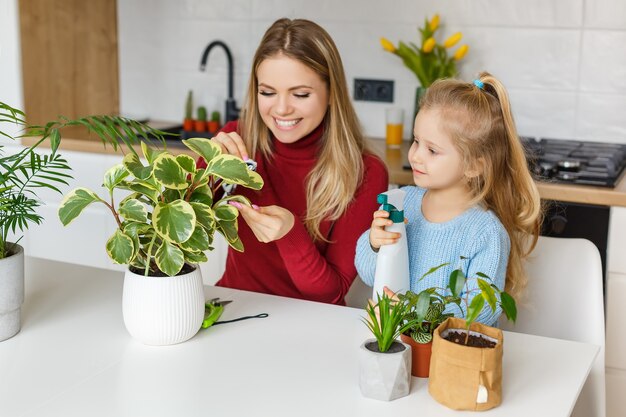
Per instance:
x=576, y=162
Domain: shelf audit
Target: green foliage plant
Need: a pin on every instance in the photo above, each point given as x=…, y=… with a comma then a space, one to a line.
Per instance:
x=189, y=105
x=31, y=169
x=385, y=320
x=172, y=212
x=215, y=116
x=458, y=292
x=202, y=114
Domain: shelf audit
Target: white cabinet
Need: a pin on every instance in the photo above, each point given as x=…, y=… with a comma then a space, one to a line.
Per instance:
x=83, y=241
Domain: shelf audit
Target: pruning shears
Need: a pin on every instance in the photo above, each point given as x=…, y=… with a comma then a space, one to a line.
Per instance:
x=213, y=310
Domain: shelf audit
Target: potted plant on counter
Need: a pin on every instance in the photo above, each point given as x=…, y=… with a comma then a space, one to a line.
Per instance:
x=466, y=362
x=165, y=225
x=28, y=170
x=426, y=311
x=384, y=362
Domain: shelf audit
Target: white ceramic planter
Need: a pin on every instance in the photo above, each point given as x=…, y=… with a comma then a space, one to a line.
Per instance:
x=163, y=310
x=11, y=293
x=384, y=376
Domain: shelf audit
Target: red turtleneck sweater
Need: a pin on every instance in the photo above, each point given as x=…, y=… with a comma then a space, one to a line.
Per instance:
x=295, y=266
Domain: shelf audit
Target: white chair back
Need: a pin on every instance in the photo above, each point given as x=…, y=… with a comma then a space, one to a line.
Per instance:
x=565, y=300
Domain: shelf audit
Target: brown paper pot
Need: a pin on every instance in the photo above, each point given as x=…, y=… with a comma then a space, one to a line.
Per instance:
x=420, y=353
x=464, y=377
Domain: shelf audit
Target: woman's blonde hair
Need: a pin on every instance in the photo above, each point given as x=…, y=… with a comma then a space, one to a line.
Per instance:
x=331, y=185
x=478, y=118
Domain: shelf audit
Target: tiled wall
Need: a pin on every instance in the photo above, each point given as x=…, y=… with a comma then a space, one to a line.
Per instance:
x=563, y=61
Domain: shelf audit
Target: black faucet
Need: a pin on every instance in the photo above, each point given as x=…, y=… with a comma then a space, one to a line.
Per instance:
x=232, y=112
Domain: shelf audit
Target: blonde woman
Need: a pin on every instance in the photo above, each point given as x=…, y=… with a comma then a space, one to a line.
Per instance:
x=474, y=196
x=321, y=182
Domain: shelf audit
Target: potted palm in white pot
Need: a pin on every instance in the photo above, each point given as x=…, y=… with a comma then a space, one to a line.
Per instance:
x=384, y=362
x=165, y=225
x=25, y=172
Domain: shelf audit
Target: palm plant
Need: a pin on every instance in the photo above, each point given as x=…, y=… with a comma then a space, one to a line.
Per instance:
x=23, y=173
x=385, y=320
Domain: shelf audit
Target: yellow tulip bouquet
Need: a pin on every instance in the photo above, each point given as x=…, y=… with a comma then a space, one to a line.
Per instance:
x=431, y=60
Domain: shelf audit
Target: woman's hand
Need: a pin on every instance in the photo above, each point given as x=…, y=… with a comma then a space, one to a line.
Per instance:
x=378, y=235
x=268, y=223
x=231, y=143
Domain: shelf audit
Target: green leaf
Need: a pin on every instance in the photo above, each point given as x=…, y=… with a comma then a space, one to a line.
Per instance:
x=508, y=305
x=169, y=258
x=120, y=247
x=168, y=172
x=149, y=153
x=236, y=244
x=474, y=309
x=143, y=188
x=134, y=209
x=233, y=170
x=206, y=148
x=133, y=164
x=203, y=196
x=226, y=212
x=186, y=162
x=457, y=282
x=204, y=216
x=115, y=175
x=488, y=293
x=228, y=229
x=74, y=203
x=433, y=269
x=194, y=257
x=174, y=221
x=199, y=240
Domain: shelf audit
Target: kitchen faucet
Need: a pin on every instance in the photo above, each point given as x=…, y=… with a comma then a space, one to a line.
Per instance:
x=232, y=112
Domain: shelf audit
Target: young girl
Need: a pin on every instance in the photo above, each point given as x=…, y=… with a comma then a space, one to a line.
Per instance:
x=474, y=196
x=321, y=182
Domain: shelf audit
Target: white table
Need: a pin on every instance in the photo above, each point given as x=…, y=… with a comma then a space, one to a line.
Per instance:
x=74, y=357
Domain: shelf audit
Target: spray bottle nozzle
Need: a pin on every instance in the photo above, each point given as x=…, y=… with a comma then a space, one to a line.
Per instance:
x=395, y=215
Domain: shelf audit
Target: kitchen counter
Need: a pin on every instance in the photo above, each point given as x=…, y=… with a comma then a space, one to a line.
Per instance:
x=74, y=358
x=394, y=158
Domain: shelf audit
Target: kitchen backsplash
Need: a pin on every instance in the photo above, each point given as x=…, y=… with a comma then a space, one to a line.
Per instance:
x=563, y=61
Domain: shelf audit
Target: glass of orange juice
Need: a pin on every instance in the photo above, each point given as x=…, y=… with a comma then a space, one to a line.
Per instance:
x=394, y=118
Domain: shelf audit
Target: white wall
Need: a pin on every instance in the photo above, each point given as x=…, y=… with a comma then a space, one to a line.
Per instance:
x=563, y=61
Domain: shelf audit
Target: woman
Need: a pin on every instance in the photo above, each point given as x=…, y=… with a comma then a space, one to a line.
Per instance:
x=321, y=182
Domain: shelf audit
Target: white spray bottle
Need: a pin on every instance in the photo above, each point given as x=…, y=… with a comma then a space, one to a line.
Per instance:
x=392, y=263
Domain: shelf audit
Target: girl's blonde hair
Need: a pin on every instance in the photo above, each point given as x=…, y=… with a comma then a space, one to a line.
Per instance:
x=478, y=118
x=331, y=185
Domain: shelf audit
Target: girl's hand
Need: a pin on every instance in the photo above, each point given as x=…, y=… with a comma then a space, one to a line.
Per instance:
x=268, y=223
x=378, y=235
x=231, y=143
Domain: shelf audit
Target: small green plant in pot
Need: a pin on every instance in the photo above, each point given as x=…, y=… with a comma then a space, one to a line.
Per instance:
x=385, y=363
x=426, y=311
x=466, y=362
x=165, y=225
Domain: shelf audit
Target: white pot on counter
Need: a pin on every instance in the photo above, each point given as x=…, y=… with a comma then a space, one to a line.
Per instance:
x=11, y=291
x=163, y=310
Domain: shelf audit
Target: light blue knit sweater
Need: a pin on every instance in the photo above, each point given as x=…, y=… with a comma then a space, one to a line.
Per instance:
x=476, y=234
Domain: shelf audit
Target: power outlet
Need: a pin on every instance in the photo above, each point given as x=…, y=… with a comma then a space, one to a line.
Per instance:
x=373, y=90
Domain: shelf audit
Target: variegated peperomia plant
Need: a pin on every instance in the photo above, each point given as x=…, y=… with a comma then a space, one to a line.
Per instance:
x=170, y=216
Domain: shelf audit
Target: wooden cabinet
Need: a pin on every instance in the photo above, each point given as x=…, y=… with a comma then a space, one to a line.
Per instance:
x=69, y=58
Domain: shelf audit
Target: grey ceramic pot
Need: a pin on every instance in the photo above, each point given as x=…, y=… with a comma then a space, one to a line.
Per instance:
x=384, y=376
x=11, y=292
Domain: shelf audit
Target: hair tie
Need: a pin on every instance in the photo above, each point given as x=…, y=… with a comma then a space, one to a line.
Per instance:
x=479, y=84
